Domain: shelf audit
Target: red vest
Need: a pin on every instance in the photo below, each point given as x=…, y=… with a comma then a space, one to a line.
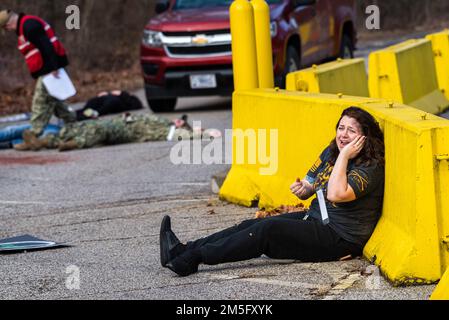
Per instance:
x=32, y=55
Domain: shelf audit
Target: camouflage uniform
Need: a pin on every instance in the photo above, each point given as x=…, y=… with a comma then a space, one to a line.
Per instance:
x=138, y=128
x=118, y=130
x=44, y=107
x=86, y=135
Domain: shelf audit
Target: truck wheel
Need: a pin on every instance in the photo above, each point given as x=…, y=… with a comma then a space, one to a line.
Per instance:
x=347, y=48
x=292, y=63
x=162, y=105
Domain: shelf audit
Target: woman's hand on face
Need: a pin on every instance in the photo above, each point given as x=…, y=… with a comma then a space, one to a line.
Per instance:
x=301, y=188
x=353, y=149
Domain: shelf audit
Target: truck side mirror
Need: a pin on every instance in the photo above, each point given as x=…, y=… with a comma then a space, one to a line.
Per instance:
x=162, y=6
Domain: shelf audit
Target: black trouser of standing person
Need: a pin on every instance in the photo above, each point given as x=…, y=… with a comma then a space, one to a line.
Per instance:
x=282, y=237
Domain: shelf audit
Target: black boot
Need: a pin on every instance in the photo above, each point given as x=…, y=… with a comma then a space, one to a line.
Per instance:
x=170, y=246
x=186, y=263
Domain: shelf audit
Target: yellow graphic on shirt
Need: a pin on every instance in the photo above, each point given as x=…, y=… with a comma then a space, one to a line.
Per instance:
x=360, y=181
x=316, y=166
x=323, y=177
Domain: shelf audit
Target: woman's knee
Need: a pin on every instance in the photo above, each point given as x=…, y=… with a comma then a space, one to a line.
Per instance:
x=246, y=224
x=269, y=228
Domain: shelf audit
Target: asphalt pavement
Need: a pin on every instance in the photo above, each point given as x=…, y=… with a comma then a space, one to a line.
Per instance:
x=108, y=204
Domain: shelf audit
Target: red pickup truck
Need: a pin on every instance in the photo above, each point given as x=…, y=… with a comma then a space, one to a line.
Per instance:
x=186, y=48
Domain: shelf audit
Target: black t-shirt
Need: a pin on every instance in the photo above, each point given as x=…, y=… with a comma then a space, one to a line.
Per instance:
x=354, y=221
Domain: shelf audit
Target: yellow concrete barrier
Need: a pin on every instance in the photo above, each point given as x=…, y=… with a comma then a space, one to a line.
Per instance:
x=408, y=244
x=442, y=290
x=440, y=45
x=342, y=76
x=405, y=73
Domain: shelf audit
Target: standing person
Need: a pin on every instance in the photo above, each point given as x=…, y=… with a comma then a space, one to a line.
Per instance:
x=350, y=171
x=44, y=54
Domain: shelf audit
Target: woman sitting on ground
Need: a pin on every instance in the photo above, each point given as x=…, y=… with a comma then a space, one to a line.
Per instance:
x=350, y=172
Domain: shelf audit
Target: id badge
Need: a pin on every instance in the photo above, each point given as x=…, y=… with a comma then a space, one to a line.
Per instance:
x=323, y=208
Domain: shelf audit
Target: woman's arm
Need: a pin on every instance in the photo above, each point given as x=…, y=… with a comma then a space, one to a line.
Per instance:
x=338, y=189
x=302, y=189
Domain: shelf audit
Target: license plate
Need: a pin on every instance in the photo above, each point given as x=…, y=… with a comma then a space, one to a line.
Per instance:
x=203, y=81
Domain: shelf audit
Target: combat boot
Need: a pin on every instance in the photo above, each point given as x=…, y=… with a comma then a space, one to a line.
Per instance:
x=44, y=143
x=22, y=147
x=68, y=146
x=31, y=140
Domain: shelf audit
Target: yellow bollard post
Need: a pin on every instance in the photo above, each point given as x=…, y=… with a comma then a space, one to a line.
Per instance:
x=244, y=56
x=263, y=44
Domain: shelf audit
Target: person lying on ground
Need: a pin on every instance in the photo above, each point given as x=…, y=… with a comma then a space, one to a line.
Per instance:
x=119, y=130
x=12, y=135
x=350, y=172
x=109, y=103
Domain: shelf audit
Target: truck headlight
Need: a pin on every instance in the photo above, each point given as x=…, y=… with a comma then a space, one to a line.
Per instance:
x=274, y=29
x=152, y=38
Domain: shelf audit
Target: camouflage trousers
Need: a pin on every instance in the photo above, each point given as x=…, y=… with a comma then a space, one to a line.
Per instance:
x=118, y=130
x=44, y=107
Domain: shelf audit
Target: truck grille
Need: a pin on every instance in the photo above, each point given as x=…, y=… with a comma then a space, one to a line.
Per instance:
x=202, y=51
x=197, y=44
x=192, y=34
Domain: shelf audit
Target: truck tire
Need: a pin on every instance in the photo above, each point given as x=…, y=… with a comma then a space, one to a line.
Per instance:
x=347, y=47
x=162, y=105
x=292, y=63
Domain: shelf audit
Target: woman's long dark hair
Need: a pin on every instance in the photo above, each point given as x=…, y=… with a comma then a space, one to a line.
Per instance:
x=374, y=150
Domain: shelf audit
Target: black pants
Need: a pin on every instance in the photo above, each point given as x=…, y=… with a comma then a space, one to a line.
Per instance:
x=282, y=237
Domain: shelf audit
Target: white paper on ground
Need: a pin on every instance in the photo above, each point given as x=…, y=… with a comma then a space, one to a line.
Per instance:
x=61, y=88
